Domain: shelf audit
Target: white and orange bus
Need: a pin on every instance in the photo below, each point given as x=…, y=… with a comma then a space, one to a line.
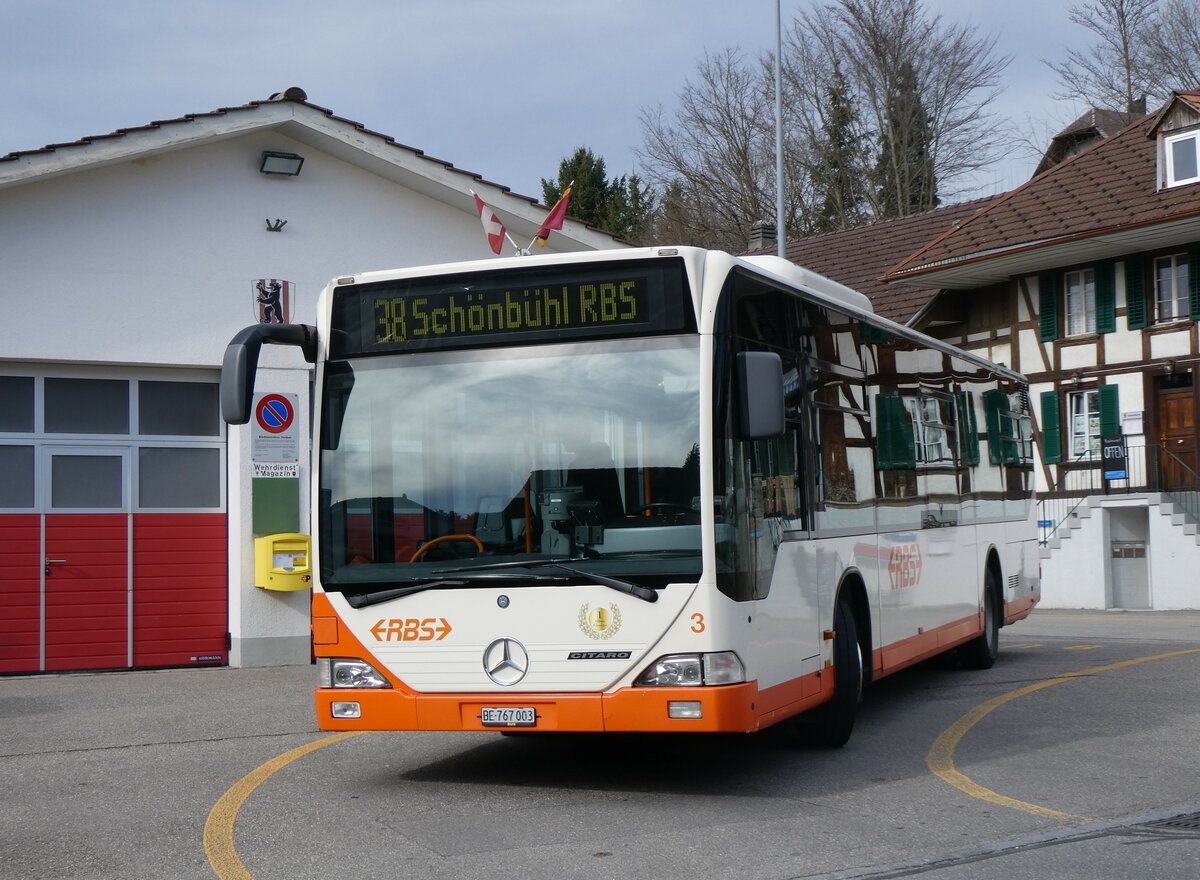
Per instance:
x=661, y=489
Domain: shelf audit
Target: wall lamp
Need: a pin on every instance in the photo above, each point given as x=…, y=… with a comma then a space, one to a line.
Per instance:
x=280, y=163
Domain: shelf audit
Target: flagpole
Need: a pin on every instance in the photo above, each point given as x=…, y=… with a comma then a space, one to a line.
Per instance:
x=521, y=252
x=780, y=230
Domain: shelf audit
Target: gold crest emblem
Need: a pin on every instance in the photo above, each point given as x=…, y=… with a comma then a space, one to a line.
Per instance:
x=600, y=622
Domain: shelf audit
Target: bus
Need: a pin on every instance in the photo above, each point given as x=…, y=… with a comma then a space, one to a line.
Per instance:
x=660, y=490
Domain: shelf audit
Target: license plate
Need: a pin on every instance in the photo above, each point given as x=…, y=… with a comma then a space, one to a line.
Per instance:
x=509, y=716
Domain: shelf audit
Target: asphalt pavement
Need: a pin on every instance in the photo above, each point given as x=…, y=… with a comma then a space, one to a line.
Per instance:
x=114, y=775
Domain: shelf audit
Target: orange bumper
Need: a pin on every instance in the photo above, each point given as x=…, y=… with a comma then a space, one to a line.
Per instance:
x=727, y=709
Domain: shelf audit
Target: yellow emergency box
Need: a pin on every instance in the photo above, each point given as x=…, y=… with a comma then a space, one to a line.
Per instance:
x=283, y=562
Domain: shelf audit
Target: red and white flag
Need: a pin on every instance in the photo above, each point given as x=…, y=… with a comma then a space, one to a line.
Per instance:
x=492, y=227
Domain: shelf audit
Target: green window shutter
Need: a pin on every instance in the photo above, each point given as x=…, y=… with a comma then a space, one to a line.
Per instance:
x=872, y=335
x=1051, y=428
x=1106, y=297
x=1135, y=294
x=1194, y=283
x=999, y=429
x=968, y=433
x=894, y=446
x=1110, y=410
x=1048, y=306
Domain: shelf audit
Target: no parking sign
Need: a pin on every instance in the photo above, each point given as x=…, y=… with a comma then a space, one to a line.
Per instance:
x=275, y=436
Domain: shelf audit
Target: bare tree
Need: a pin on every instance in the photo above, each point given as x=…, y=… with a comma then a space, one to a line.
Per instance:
x=1174, y=52
x=714, y=153
x=957, y=78
x=1116, y=72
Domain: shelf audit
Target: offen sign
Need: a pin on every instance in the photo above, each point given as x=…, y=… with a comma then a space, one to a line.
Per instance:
x=1112, y=451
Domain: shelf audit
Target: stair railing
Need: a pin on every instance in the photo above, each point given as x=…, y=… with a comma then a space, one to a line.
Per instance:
x=1186, y=491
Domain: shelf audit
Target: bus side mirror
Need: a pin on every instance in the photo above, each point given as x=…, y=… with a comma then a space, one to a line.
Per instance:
x=760, y=395
x=240, y=363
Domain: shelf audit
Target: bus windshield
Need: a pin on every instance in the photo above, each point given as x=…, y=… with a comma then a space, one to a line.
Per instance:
x=481, y=461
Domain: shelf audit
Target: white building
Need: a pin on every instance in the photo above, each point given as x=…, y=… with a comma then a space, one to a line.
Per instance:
x=127, y=510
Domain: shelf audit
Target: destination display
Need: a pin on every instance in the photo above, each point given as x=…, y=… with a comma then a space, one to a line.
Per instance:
x=542, y=304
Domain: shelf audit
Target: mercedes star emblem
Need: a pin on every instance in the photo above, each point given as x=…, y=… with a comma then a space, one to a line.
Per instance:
x=505, y=661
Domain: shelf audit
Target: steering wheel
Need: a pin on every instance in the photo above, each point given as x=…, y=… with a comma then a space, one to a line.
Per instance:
x=662, y=508
x=421, y=550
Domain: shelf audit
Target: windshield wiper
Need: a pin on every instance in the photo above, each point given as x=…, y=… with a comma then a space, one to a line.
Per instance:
x=621, y=586
x=363, y=600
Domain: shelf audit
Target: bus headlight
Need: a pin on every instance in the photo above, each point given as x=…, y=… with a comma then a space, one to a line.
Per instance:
x=693, y=670
x=345, y=672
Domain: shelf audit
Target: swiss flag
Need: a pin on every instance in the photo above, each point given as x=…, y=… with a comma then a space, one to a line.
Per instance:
x=492, y=227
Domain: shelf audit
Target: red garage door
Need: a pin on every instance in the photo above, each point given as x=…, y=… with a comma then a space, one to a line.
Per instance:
x=112, y=524
x=179, y=597
x=20, y=592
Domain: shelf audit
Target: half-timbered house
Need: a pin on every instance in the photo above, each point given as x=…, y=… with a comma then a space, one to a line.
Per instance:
x=1087, y=279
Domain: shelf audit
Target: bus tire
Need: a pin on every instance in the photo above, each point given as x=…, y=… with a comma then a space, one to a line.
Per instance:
x=832, y=723
x=981, y=652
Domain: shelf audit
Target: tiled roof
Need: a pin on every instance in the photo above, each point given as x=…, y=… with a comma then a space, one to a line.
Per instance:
x=293, y=94
x=1095, y=124
x=1107, y=188
x=1105, y=122
x=859, y=257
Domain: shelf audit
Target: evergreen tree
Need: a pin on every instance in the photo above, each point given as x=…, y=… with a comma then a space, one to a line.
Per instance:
x=589, y=195
x=622, y=206
x=904, y=172
x=838, y=176
x=629, y=208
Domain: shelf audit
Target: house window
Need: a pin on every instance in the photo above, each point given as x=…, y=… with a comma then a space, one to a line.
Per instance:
x=1085, y=423
x=1183, y=158
x=1081, y=302
x=1171, y=287
x=1020, y=430
x=930, y=425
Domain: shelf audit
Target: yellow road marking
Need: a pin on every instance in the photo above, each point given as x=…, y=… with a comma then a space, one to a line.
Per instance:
x=1082, y=647
x=218, y=829
x=1022, y=647
x=941, y=755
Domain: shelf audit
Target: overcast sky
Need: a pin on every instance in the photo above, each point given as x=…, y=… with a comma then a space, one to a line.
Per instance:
x=503, y=89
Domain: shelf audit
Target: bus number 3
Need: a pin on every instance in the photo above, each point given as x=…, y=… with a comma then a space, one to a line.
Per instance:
x=697, y=622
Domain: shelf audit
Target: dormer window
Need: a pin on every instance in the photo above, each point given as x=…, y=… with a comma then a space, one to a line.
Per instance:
x=1183, y=158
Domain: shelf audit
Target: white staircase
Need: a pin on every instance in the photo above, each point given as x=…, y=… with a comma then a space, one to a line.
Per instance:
x=1078, y=560
x=1156, y=501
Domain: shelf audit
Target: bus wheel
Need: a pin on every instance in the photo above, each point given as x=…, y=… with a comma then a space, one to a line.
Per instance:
x=832, y=723
x=981, y=652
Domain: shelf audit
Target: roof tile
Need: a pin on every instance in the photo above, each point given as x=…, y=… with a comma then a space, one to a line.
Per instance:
x=859, y=257
x=1110, y=185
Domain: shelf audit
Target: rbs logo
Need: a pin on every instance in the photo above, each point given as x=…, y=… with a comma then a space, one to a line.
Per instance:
x=904, y=566
x=411, y=629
